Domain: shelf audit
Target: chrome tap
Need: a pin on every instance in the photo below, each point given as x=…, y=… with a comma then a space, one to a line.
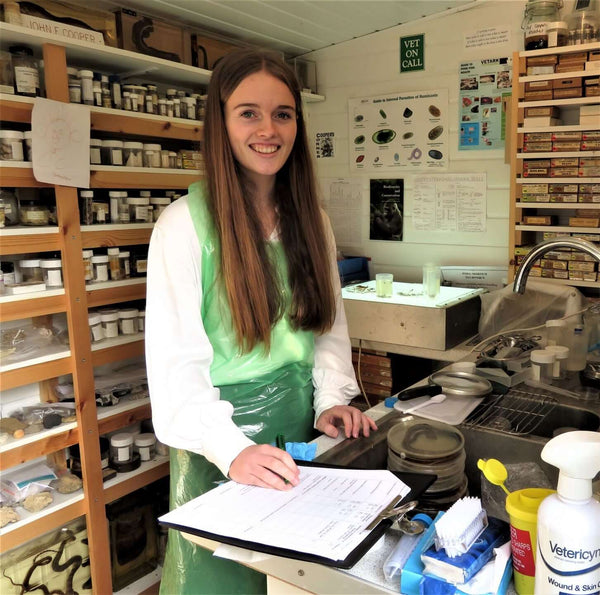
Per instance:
x=545, y=246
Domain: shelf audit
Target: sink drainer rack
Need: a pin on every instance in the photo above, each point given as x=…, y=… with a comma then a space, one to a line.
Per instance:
x=517, y=412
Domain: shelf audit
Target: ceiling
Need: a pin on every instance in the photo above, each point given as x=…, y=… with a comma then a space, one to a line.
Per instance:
x=294, y=27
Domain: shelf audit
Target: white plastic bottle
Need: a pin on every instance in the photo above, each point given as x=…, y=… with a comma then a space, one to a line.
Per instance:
x=568, y=523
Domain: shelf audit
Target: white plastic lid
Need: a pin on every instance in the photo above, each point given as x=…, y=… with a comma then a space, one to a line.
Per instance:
x=30, y=263
x=162, y=101
x=87, y=253
x=124, y=254
x=104, y=78
x=113, y=251
x=146, y=193
x=72, y=70
x=172, y=154
x=128, y=313
x=11, y=134
x=145, y=440
x=94, y=318
x=112, y=143
x=542, y=356
x=160, y=200
x=28, y=134
x=142, y=313
x=95, y=142
x=133, y=145
x=556, y=322
x=560, y=351
x=141, y=201
x=85, y=74
x=86, y=193
x=152, y=147
x=52, y=263
x=122, y=439
x=99, y=259
x=109, y=315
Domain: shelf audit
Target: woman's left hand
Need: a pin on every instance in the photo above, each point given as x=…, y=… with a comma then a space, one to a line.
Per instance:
x=351, y=418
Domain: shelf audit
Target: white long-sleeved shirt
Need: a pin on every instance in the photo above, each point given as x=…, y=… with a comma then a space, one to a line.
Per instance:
x=187, y=412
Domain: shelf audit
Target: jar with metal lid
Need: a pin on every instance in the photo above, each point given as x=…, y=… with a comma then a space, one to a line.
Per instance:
x=128, y=321
x=8, y=270
x=11, y=145
x=121, y=447
x=104, y=85
x=112, y=152
x=176, y=107
x=584, y=26
x=141, y=321
x=52, y=272
x=11, y=210
x=87, y=86
x=100, y=268
x=190, y=103
x=152, y=154
x=538, y=15
x=162, y=107
x=164, y=158
x=139, y=209
x=159, y=204
x=95, y=151
x=113, y=264
x=145, y=446
x=25, y=68
x=100, y=211
x=33, y=212
x=124, y=265
x=151, y=99
x=75, y=91
x=31, y=271
x=88, y=271
x=110, y=323
x=95, y=323
x=558, y=34
x=28, y=143
x=133, y=154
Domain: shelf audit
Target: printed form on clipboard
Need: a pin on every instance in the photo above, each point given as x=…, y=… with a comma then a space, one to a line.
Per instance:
x=327, y=515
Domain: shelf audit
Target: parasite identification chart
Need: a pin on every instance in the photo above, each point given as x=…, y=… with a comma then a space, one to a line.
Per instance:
x=399, y=132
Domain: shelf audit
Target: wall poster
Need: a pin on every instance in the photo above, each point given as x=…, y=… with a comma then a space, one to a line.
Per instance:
x=399, y=132
x=483, y=85
x=387, y=210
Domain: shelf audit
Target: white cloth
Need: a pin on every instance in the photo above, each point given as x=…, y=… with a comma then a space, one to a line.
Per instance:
x=186, y=410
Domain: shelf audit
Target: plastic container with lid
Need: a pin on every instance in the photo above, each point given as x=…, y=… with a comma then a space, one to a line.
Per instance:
x=556, y=330
x=52, y=272
x=112, y=152
x=11, y=145
x=31, y=271
x=115, y=91
x=121, y=447
x=25, y=68
x=139, y=209
x=558, y=34
x=86, y=207
x=95, y=322
x=542, y=364
x=538, y=15
x=128, y=321
x=141, y=321
x=159, y=204
x=95, y=151
x=139, y=261
x=88, y=270
x=133, y=154
x=561, y=354
x=100, y=268
x=33, y=212
x=113, y=264
x=27, y=142
x=11, y=209
x=75, y=91
x=110, y=323
x=87, y=86
x=145, y=446
x=124, y=265
x=173, y=160
x=164, y=158
x=152, y=155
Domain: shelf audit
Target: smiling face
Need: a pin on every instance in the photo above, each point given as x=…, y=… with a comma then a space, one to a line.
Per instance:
x=260, y=117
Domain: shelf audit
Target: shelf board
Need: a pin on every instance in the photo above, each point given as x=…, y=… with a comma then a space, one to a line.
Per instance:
x=19, y=174
x=19, y=240
x=16, y=108
x=558, y=228
x=560, y=128
x=29, y=305
x=561, y=102
x=107, y=176
x=35, y=370
x=113, y=292
x=554, y=155
x=572, y=282
x=566, y=49
x=127, y=234
x=125, y=483
x=557, y=205
x=124, y=413
x=557, y=75
x=556, y=180
x=119, y=348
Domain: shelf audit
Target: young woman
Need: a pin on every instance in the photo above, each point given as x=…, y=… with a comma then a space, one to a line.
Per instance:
x=246, y=336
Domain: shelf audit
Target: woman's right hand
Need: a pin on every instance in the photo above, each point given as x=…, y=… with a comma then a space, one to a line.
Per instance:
x=265, y=466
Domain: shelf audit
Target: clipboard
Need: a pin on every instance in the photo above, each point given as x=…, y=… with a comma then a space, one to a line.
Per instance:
x=418, y=483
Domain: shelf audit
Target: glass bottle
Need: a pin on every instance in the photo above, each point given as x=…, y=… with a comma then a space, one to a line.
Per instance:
x=25, y=68
x=538, y=15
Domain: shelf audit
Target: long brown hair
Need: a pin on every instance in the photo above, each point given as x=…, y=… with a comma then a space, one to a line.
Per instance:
x=249, y=275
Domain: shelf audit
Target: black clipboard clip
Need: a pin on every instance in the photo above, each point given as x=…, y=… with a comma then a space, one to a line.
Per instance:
x=391, y=511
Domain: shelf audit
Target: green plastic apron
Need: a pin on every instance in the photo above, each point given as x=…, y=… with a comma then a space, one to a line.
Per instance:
x=270, y=394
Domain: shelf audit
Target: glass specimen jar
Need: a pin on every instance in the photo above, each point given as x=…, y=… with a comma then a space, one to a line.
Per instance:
x=52, y=272
x=124, y=265
x=95, y=151
x=25, y=68
x=100, y=268
x=95, y=322
x=110, y=323
x=11, y=145
x=159, y=204
x=88, y=270
x=113, y=264
x=121, y=447
x=152, y=155
x=87, y=86
x=33, y=212
x=31, y=271
x=141, y=321
x=538, y=15
x=145, y=446
x=133, y=154
x=11, y=209
x=139, y=209
x=112, y=152
x=128, y=321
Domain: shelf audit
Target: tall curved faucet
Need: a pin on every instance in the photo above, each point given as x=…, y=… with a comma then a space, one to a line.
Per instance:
x=545, y=246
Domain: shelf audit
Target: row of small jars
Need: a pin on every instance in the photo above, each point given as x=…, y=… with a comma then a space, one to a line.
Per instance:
x=25, y=211
x=31, y=271
x=101, y=90
x=127, y=448
x=115, y=265
x=15, y=145
x=119, y=207
x=109, y=323
x=132, y=154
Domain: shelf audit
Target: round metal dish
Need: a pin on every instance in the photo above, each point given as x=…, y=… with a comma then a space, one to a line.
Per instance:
x=461, y=384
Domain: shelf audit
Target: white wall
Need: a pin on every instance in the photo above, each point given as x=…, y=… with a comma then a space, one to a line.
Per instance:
x=370, y=66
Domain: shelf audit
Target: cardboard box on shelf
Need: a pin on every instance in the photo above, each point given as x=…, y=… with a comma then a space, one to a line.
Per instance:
x=150, y=36
x=206, y=52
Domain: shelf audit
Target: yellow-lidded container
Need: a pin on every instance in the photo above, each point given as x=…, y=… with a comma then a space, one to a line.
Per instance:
x=522, y=507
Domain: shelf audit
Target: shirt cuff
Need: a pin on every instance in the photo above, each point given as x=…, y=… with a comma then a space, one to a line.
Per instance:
x=223, y=444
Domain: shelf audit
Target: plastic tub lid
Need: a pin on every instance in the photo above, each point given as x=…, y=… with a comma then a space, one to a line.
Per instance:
x=122, y=439
x=542, y=356
x=95, y=142
x=28, y=134
x=94, y=318
x=109, y=316
x=113, y=251
x=152, y=147
x=30, y=263
x=128, y=313
x=124, y=254
x=112, y=143
x=133, y=145
x=141, y=201
x=160, y=200
x=101, y=258
x=86, y=193
x=560, y=351
x=87, y=253
x=425, y=440
x=51, y=263
x=145, y=439
x=11, y=134
x=85, y=73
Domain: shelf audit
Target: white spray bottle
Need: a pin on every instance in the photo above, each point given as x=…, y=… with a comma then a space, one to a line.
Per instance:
x=568, y=523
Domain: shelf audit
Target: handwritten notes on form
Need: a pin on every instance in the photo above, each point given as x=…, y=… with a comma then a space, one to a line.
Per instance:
x=325, y=515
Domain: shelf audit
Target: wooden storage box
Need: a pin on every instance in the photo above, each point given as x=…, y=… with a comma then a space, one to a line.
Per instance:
x=206, y=51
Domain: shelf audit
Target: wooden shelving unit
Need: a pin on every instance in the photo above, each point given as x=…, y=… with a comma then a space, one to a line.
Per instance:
x=521, y=233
